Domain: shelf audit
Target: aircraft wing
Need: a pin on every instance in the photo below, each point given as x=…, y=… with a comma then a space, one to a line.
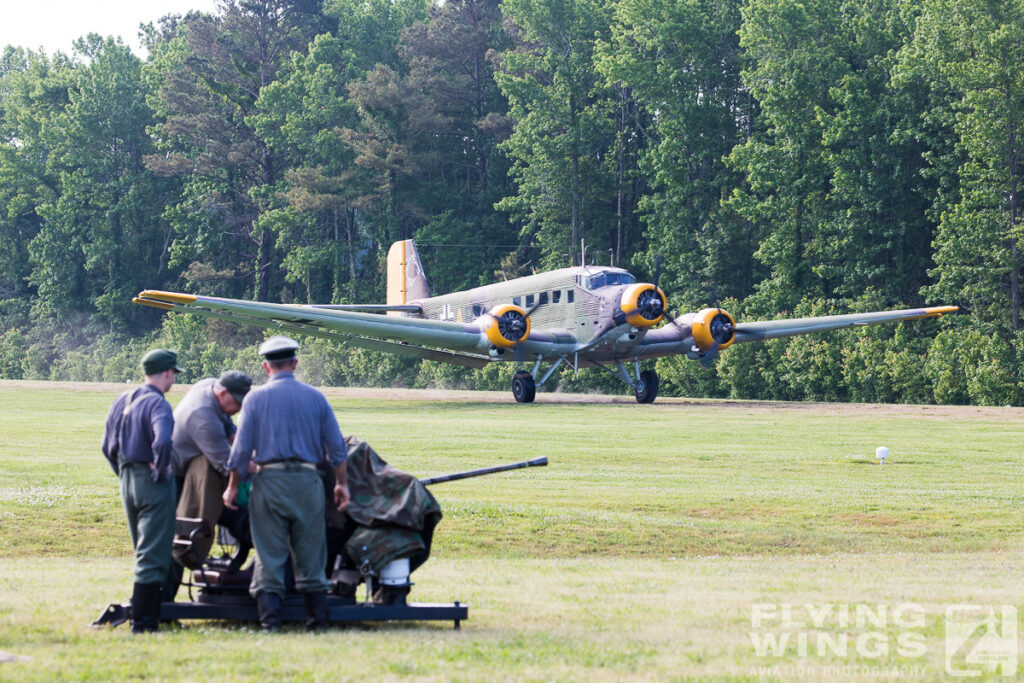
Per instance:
x=454, y=342
x=770, y=329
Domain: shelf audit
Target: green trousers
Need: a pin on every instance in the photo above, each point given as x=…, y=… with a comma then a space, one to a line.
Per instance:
x=149, y=508
x=286, y=514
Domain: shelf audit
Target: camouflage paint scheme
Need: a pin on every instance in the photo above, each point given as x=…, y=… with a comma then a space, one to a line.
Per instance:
x=582, y=317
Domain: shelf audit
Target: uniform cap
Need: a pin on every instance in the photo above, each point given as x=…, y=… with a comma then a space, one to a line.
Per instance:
x=279, y=347
x=237, y=383
x=160, y=360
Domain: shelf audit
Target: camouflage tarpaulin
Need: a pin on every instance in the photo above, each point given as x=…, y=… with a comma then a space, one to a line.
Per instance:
x=395, y=513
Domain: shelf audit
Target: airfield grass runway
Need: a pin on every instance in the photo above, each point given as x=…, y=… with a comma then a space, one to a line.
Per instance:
x=732, y=540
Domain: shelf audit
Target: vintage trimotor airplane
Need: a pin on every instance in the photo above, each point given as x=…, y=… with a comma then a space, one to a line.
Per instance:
x=587, y=316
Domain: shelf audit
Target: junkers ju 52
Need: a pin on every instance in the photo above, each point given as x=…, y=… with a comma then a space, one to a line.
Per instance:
x=589, y=316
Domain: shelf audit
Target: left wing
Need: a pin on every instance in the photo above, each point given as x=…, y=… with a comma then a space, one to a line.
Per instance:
x=770, y=329
x=456, y=342
x=712, y=329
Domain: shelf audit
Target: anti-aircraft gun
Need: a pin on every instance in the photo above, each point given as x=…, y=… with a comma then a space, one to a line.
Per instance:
x=383, y=536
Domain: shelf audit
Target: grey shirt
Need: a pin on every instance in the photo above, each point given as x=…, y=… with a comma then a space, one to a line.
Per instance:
x=201, y=427
x=286, y=419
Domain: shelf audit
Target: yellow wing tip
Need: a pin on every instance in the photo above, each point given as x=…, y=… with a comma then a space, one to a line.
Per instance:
x=935, y=311
x=155, y=304
x=172, y=297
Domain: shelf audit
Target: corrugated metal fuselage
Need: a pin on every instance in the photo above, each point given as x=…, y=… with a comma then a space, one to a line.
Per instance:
x=575, y=310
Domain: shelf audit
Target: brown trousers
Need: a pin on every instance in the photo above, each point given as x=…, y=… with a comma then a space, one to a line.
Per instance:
x=201, y=496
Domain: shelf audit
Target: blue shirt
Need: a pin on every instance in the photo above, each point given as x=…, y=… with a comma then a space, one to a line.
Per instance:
x=139, y=428
x=286, y=419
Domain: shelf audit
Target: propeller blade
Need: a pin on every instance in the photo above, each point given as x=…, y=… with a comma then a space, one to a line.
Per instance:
x=518, y=348
x=709, y=357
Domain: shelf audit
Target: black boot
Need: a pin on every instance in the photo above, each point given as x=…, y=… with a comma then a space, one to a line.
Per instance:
x=269, y=607
x=316, y=611
x=146, y=607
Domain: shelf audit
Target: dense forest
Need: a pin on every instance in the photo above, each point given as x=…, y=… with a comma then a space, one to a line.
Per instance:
x=775, y=157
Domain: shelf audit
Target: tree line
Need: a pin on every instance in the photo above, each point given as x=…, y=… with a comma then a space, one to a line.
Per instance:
x=775, y=157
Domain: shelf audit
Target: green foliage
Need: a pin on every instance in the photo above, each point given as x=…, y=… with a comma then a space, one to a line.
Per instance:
x=973, y=52
x=679, y=376
x=564, y=124
x=791, y=157
x=12, y=350
x=681, y=61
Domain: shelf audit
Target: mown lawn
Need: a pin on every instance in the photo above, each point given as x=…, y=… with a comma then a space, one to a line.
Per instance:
x=643, y=550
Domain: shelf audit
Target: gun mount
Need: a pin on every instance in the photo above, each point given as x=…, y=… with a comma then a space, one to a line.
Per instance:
x=368, y=540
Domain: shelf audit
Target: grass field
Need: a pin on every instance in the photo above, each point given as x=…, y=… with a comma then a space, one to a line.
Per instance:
x=665, y=541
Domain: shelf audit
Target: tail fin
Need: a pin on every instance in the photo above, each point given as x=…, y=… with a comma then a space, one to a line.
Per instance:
x=406, y=279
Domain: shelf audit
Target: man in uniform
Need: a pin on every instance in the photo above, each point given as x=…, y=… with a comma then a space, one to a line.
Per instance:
x=137, y=442
x=203, y=432
x=287, y=429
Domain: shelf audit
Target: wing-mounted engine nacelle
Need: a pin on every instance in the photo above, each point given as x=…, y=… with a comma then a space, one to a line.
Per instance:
x=713, y=328
x=505, y=326
x=643, y=305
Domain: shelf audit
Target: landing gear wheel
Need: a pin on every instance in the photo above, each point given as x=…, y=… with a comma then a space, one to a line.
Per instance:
x=646, y=389
x=523, y=387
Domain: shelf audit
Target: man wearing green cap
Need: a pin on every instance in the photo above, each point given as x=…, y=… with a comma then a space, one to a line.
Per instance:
x=137, y=443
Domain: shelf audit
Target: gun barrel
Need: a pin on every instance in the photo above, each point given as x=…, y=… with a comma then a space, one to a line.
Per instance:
x=536, y=462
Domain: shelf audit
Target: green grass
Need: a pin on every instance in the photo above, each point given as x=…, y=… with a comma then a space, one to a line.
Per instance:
x=639, y=552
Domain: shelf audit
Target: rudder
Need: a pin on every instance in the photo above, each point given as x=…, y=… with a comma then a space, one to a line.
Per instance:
x=406, y=280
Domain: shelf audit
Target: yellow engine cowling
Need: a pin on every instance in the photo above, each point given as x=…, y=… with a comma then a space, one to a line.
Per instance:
x=506, y=326
x=713, y=326
x=643, y=304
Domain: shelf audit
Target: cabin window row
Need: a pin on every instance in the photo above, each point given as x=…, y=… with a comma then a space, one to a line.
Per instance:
x=542, y=298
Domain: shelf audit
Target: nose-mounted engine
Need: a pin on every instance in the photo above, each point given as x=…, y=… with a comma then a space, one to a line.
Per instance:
x=506, y=326
x=713, y=328
x=643, y=305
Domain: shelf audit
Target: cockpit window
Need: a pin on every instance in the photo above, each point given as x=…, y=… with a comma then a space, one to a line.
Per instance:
x=598, y=280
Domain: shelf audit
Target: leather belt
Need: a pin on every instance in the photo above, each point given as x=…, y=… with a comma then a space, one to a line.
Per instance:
x=285, y=465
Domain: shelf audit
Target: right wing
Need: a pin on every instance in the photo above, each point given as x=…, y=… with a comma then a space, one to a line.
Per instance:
x=438, y=340
x=456, y=343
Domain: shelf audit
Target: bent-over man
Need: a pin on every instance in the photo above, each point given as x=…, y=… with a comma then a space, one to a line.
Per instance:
x=287, y=429
x=137, y=443
x=203, y=432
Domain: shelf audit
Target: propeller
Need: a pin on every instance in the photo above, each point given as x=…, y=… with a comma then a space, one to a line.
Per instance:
x=518, y=348
x=649, y=304
x=670, y=317
x=512, y=325
x=658, y=258
x=721, y=329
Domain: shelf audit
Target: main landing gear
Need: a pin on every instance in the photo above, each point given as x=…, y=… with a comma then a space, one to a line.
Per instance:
x=523, y=387
x=645, y=386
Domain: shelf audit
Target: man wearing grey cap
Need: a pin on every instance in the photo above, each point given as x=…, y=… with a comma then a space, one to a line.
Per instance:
x=287, y=429
x=137, y=443
x=203, y=427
